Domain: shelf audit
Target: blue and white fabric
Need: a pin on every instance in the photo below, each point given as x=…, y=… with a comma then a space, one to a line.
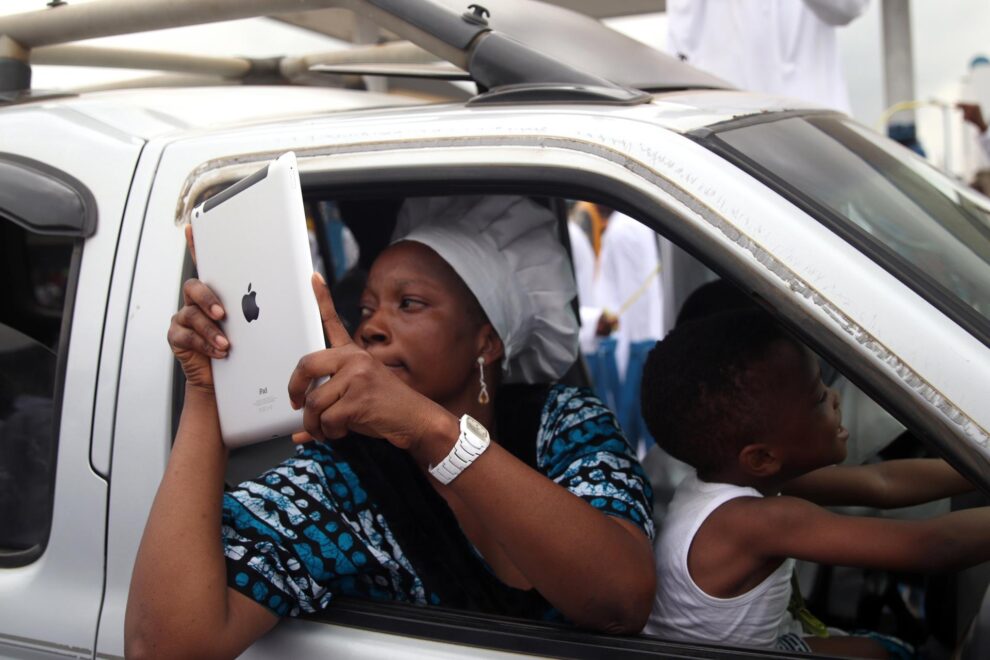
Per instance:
x=309, y=529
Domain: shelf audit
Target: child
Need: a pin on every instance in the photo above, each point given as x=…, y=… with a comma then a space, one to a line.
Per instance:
x=743, y=403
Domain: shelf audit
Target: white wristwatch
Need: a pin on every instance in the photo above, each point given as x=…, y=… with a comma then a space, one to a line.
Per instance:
x=472, y=443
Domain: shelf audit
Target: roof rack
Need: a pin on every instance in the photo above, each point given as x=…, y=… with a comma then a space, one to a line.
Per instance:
x=466, y=40
x=234, y=68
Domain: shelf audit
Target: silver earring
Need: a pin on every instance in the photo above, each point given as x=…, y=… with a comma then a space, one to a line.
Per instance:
x=483, y=397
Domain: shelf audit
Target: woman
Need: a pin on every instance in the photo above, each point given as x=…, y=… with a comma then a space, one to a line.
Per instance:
x=476, y=292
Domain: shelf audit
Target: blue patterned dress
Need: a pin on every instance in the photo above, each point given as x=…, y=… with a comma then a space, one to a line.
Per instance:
x=357, y=518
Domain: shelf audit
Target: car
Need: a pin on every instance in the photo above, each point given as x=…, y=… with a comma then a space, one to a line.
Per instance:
x=872, y=256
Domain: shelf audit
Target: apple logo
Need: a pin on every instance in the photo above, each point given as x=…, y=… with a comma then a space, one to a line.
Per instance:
x=249, y=305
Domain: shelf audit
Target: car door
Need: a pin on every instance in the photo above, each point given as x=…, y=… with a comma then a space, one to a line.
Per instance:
x=61, y=222
x=740, y=228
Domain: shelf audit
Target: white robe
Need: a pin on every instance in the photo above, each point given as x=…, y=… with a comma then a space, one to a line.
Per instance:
x=782, y=47
x=628, y=261
x=583, y=258
x=984, y=141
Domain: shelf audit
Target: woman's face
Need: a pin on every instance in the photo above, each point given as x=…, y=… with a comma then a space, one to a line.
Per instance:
x=417, y=319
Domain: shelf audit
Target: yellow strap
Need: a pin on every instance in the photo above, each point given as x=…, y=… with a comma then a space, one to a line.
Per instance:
x=638, y=293
x=810, y=623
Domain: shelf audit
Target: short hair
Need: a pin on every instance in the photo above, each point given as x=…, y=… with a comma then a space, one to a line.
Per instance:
x=713, y=298
x=703, y=395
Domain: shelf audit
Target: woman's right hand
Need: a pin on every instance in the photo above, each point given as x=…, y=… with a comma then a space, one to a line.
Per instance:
x=194, y=335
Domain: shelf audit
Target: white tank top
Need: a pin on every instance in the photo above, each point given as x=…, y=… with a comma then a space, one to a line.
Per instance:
x=682, y=611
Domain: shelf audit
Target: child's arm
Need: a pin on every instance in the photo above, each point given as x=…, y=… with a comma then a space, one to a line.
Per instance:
x=885, y=485
x=792, y=527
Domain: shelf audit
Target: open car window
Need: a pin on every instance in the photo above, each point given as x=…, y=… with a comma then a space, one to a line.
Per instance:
x=338, y=225
x=346, y=234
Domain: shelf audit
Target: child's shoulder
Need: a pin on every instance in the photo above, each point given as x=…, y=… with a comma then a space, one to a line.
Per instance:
x=756, y=511
x=732, y=512
x=774, y=526
x=746, y=512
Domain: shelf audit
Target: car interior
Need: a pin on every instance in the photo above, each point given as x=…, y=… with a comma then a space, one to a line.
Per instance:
x=38, y=272
x=346, y=235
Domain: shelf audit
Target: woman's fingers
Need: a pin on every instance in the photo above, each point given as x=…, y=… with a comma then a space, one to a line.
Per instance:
x=302, y=437
x=311, y=366
x=194, y=327
x=334, y=422
x=317, y=406
x=195, y=292
x=182, y=338
x=335, y=331
x=320, y=363
x=193, y=317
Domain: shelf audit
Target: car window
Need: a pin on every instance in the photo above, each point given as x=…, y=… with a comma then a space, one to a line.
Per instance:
x=369, y=220
x=913, y=219
x=345, y=236
x=35, y=271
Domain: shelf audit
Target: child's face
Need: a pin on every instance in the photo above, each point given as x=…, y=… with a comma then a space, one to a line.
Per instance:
x=808, y=433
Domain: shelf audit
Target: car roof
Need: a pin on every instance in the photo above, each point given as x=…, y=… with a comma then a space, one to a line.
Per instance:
x=154, y=112
x=502, y=47
x=157, y=112
x=689, y=110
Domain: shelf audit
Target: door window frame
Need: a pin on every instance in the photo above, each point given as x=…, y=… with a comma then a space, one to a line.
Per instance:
x=17, y=558
x=925, y=286
x=542, y=180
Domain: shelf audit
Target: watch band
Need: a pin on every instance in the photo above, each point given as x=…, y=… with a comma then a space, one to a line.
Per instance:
x=471, y=443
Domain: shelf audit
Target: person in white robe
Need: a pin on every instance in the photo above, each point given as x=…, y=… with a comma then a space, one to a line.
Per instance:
x=583, y=258
x=972, y=114
x=781, y=47
x=628, y=284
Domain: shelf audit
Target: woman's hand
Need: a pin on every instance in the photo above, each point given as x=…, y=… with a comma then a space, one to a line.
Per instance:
x=194, y=335
x=362, y=395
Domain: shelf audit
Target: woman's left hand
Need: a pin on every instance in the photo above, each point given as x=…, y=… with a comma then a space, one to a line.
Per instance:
x=361, y=395
x=538, y=532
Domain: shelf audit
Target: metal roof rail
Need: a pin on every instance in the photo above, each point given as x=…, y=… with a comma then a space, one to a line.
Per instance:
x=492, y=59
x=233, y=69
x=577, y=39
x=128, y=58
x=431, y=71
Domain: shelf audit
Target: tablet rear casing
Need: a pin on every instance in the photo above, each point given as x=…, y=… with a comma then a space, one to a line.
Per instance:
x=252, y=250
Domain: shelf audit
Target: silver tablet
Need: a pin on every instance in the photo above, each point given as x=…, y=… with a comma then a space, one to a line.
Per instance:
x=252, y=250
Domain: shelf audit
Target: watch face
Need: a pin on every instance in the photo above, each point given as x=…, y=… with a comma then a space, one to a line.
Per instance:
x=475, y=427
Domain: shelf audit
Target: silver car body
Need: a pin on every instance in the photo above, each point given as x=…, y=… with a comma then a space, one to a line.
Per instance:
x=149, y=156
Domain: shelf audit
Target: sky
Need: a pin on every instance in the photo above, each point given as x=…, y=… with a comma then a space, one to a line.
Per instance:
x=945, y=35
x=256, y=37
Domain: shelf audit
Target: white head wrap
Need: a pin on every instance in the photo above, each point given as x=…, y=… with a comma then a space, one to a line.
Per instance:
x=507, y=251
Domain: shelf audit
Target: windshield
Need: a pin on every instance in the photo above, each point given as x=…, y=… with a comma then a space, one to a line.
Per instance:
x=918, y=223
